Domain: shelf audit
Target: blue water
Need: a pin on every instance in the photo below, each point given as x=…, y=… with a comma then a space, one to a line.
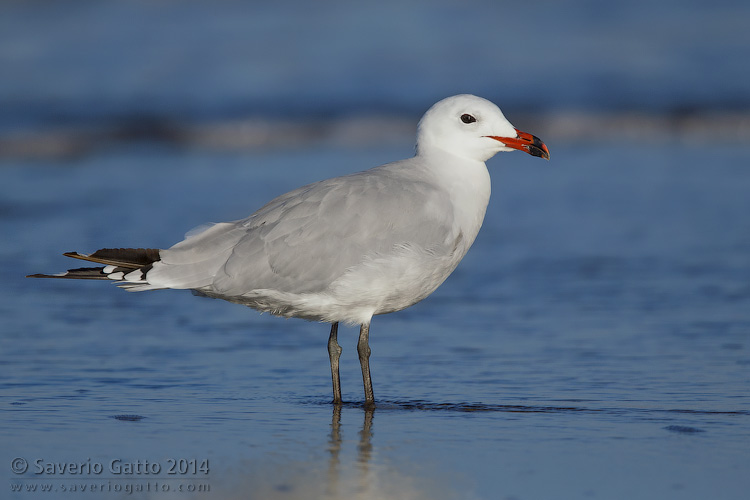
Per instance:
x=89, y=62
x=594, y=343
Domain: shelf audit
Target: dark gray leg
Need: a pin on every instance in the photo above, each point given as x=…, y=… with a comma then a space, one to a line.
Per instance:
x=363, y=349
x=334, y=353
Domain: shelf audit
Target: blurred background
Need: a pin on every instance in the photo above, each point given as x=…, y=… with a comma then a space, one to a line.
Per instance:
x=80, y=74
x=594, y=343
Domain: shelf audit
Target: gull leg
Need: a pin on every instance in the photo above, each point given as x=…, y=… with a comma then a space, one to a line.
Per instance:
x=334, y=353
x=363, y=349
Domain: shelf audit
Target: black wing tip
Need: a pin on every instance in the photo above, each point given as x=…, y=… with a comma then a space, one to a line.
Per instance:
x=133, y=258
x=83, y=273
x=54, y=276
x=124, y=260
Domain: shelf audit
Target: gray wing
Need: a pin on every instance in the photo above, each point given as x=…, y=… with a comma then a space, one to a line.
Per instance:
x=303, y=240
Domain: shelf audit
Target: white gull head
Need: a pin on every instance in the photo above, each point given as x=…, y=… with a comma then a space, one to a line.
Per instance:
x=472, y=128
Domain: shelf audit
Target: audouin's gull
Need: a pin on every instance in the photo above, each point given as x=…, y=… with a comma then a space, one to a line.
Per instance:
x=347, y=248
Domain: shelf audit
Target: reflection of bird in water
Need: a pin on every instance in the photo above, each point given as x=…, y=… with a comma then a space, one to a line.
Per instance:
x=364, y=451
x=349, y=465
x=347, y=248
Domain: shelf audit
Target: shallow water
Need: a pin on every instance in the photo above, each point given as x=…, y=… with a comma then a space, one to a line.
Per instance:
x=594, y=342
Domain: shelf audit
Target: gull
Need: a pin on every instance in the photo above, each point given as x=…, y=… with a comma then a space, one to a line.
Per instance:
x=343, y=249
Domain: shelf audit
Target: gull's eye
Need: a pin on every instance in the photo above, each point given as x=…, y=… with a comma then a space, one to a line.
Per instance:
x=466, y=118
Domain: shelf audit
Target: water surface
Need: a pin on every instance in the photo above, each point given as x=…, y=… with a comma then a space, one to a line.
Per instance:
x=593, y=344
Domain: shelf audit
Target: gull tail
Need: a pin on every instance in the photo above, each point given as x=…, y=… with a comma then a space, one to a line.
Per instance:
x=127, y=266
